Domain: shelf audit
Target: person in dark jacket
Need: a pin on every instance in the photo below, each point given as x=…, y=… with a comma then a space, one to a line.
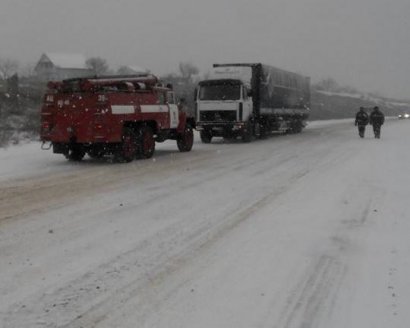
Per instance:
x=377, y=120
x=362, y=119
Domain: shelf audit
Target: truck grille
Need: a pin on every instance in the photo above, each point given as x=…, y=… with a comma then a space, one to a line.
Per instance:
x=215, y=116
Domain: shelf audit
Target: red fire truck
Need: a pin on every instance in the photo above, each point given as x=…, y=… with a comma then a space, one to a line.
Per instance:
x=119, y=115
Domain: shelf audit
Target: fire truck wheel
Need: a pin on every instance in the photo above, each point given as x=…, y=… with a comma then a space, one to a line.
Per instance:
x=186, y=140
x=147, y=142
x=95, y=153
x=75, y=154
x=128, y=147
x=206, y=136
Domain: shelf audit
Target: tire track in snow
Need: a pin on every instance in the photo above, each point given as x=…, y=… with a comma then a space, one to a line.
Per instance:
x=36, y=195
x=313, y=298
x=82, y=302
x=89, y=299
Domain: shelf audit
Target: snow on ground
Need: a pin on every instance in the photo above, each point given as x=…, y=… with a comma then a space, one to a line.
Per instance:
x=27, y=159
x=307, y=230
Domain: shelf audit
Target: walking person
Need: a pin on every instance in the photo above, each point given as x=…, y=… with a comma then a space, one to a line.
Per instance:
x=376, y=120
x=362, y=119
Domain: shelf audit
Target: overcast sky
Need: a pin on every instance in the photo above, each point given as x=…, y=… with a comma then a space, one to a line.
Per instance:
x=361, y=43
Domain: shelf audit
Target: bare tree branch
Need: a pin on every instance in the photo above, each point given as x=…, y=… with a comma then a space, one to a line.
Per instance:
x=7, y=67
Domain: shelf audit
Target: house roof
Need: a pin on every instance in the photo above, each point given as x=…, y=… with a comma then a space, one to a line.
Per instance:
x=65, y=60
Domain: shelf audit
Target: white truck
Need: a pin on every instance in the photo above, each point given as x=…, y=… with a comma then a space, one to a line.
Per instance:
x=250, y=100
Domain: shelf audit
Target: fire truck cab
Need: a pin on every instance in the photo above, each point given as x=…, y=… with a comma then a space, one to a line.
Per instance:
x=119, y=115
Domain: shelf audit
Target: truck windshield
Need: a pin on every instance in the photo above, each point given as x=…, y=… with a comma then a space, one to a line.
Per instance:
x=223, y=91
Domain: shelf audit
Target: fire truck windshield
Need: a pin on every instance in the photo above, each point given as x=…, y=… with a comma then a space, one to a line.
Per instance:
x=220, y=91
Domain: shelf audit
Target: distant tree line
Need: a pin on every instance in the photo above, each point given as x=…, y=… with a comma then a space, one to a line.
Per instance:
x=329, y=84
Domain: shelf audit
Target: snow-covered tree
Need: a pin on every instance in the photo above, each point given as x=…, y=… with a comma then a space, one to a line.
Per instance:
x=98, y=65
x=187, y=70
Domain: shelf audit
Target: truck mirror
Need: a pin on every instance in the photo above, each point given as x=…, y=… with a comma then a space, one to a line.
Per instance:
x=249, y=93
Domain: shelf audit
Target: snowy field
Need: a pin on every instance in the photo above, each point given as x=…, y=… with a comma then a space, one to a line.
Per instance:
x=297, y=231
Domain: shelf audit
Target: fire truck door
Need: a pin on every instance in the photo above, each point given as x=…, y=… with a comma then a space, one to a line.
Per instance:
x=173, y=115
x=173, y=111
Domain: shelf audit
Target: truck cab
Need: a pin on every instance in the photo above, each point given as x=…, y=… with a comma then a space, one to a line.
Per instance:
x=224, y=105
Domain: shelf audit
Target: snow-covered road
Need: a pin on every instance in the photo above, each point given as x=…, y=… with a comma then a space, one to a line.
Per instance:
x=309, y=230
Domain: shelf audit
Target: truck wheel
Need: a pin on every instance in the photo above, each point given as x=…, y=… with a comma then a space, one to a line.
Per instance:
x=186, y=140
x=75, y=154
x=128, y=146
x=247, y=135
x=206, y=136
x=96, y=153
x=147, y=142
x=262, y=132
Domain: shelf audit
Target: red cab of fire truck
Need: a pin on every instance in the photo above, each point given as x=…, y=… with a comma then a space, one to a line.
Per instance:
x=120, y=115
